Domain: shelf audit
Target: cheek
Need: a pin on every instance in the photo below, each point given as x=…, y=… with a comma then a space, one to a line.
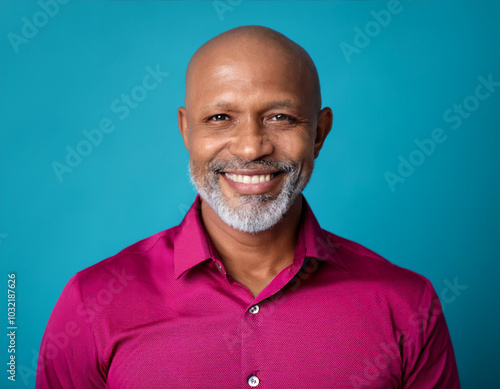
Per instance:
x=298, y=146
x=205, y=148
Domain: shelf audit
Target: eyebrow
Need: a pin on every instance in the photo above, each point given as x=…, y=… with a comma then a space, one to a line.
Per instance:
x=280, y=104
x=272, y=104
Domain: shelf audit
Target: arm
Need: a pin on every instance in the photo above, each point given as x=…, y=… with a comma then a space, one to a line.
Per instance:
x=428, y=357
x=68, y=355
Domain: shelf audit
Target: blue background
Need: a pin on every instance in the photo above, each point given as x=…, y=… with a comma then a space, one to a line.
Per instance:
x=442, y=221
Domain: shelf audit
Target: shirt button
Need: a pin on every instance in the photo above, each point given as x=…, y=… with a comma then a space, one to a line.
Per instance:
x=253, y=381
x=219, y=266
x=253, y=310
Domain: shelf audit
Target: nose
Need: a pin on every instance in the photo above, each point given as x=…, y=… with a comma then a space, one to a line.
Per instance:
x=250, y=141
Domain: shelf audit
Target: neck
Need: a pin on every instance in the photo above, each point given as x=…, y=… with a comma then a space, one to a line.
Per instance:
x=254, y=259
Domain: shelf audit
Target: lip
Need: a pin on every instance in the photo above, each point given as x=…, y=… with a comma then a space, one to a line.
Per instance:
x=259, y=188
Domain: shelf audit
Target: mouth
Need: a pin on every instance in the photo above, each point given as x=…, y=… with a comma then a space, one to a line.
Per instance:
x=252, y=182
x=250, y=178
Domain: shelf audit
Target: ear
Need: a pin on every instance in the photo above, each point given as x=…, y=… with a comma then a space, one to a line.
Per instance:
x=183, y=125
x=325, y=120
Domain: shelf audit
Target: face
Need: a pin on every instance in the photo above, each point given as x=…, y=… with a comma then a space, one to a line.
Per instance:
x=253, y=130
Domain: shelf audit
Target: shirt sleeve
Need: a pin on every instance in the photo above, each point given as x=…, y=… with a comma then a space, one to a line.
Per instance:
x=428, y=356
x=68, y=355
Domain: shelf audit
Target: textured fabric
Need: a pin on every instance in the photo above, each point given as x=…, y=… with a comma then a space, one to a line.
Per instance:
x=164, y=314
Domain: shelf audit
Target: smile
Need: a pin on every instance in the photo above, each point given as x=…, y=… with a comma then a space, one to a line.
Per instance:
x=253, y=183
x=254, y=179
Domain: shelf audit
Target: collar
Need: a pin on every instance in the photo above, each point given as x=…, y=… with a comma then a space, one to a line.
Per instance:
x=192, y=244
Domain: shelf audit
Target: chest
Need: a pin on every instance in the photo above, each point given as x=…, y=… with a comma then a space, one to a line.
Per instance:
x=282, y=341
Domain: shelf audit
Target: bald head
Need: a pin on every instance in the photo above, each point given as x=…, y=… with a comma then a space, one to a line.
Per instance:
x=253, y=126
x=255, y=44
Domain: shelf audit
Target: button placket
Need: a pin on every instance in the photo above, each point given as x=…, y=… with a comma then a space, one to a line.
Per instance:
x=254, y=321
x=250, y=344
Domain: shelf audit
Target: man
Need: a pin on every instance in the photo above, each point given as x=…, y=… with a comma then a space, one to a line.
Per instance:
x=248, y=291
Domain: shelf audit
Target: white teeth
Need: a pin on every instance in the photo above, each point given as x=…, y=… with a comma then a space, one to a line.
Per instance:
x=249, y=179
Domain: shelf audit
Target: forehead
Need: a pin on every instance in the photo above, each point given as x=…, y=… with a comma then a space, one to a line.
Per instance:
x=255, y=70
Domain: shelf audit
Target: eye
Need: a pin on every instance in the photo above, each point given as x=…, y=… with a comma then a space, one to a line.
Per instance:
x=219, y=117
x=281, y=117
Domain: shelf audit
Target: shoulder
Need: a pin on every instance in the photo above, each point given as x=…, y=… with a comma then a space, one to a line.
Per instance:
x=374, y=271
x=134, y=263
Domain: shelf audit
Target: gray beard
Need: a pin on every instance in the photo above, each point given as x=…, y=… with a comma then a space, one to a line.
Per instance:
x=255, y=212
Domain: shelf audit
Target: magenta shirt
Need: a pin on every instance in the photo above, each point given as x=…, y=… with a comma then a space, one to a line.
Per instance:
x=163, y=313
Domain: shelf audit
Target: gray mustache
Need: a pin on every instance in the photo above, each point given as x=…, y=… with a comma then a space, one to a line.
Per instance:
x=216, y=166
